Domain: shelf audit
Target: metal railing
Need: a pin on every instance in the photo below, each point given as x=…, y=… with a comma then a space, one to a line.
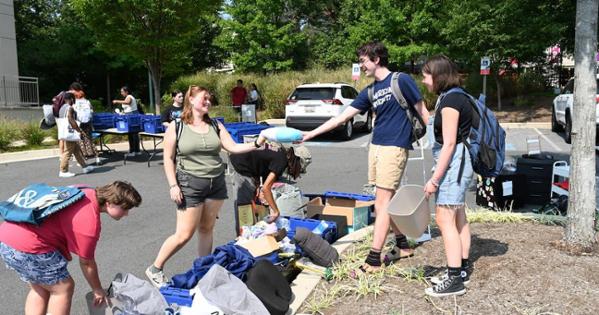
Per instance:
x=19, y=91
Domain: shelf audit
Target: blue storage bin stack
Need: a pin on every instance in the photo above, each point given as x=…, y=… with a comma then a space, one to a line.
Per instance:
x=240, y=129
x=329, y=234
x=103, y=120
x=128, y=123
x=336, y=194
x=177, y=296
x=152, y=124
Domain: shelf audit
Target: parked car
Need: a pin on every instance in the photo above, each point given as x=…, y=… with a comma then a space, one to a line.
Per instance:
x=561, y=113
x=310, y=105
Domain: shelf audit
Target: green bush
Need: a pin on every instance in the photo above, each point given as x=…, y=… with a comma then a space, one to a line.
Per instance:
x=8, y=133
x=32, y=134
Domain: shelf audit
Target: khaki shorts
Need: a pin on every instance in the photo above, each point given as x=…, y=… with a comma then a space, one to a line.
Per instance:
x=386, y=165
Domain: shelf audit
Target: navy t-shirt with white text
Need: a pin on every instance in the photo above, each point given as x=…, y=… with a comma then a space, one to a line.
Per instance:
x=391, y=126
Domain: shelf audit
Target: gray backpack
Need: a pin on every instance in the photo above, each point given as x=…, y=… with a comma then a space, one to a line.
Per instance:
x=418, y=126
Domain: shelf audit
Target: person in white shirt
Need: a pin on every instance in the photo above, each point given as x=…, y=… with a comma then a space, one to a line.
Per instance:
x=254, y=96
x=129, y=105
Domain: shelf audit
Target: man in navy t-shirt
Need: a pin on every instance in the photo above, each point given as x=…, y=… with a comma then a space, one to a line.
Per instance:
x=391, y=141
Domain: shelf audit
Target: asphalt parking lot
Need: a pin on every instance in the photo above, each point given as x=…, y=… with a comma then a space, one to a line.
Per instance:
x=131, y=244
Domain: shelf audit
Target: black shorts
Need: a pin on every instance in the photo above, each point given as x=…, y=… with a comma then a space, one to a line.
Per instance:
x=196, y=190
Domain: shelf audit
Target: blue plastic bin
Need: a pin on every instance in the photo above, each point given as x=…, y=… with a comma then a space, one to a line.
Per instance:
x=221, y=119
x=238, y=130
x=177, y=296
x=329, y=234
x=103, y=120
x=128, y=123
x=337, y=194
x=152, y=124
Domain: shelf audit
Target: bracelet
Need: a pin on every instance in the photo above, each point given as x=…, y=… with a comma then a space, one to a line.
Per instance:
x=434, y=182
x=256, y=143
x=173, y=185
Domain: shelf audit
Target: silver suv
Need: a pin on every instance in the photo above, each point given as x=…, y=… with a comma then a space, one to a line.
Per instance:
x=310, y=105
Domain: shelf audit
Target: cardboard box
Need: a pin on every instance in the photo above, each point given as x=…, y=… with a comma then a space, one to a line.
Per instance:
x=261, y=246
x=357, y=212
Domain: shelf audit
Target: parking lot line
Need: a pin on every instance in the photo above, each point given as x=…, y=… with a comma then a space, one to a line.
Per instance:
x=547, y=139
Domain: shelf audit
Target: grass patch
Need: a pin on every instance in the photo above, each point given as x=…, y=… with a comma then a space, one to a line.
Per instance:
x=8, y=133
x=33, y=134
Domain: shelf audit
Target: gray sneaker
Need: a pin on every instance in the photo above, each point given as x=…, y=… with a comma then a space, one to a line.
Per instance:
x=158, y=279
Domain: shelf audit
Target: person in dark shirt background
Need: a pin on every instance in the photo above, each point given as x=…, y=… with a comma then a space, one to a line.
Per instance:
x=174, y=111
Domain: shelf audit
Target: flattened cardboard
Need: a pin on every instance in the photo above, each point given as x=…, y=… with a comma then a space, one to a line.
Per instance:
x=261, y=246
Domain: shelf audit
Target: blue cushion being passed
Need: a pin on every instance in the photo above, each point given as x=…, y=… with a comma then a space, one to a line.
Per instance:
x=282, y=134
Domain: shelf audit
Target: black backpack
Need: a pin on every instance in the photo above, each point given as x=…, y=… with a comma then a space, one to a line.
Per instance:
x=270, y=286
x=418, y=126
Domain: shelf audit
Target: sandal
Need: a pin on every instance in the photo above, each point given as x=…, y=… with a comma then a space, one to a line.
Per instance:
x=363, y=270
x=396, y=254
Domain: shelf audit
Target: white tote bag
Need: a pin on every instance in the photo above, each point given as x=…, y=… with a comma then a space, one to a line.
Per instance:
x=65, y=131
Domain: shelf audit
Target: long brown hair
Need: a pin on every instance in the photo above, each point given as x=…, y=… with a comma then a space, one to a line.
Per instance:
x=187, y=115
x=444, y=72
x=119, y=193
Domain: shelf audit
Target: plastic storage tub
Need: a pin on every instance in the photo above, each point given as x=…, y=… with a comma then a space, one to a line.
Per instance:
x=152, y=124
x=177, y=296
x=410, y=210
x=128, y=123
x=103, y=120
x=329, y=234
x=337, y=194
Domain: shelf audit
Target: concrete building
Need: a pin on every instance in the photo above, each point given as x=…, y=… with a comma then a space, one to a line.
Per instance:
x=9, y=65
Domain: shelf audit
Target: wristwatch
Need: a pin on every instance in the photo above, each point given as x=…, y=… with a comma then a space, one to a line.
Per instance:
x=256, y=143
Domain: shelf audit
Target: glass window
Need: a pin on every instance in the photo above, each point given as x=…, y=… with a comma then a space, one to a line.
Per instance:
x=313, y=94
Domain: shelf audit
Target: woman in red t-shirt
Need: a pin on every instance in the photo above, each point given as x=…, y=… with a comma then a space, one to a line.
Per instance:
x=40, y=254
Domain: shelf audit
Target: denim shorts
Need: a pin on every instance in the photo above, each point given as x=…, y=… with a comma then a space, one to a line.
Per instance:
x=450, y=192
x=47, y=269
x=196, y=190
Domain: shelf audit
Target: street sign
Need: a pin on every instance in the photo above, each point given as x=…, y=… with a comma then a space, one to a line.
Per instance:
x=485, y=66
x=355, y=71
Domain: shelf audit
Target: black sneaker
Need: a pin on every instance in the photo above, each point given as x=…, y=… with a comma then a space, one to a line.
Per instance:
x=452, y=285
x=465, y=277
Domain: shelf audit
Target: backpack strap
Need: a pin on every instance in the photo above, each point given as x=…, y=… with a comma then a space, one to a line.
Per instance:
x=371, y=93
x=396, y=91
x=214, y=124
x=178, y=132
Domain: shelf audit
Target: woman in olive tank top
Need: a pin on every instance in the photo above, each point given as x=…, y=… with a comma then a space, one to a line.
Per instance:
x=195, y=175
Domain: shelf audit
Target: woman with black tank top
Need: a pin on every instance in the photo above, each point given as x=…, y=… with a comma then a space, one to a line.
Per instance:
x=195, y=174
x=452, y=172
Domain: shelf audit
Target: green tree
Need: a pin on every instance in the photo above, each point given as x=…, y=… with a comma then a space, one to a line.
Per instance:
x=409, y=29
x=264, y=35
x=501, y=30
x=159, y=32
x=55, y=46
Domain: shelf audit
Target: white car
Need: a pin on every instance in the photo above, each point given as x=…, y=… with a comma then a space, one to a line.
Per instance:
x=561, y=114
x=310, y=105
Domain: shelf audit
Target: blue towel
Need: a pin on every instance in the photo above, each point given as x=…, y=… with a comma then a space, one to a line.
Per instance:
x=37, y=201
x=235, y=259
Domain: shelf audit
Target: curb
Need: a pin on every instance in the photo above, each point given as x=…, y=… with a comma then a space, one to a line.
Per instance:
x=541, y=125
x=306, y=281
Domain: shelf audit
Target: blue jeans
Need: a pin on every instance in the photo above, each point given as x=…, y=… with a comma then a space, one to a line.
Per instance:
x=450, y=192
